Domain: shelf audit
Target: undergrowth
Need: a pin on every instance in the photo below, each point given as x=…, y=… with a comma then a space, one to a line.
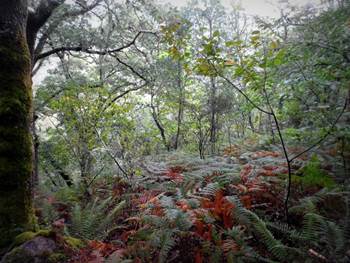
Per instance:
x=210, y=211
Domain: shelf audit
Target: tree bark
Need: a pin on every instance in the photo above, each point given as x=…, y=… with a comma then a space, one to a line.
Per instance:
x=16, y=210
x=213, y=116
x=155, y=117
x=181, y=105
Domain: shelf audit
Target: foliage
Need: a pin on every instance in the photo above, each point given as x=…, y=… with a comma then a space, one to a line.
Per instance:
x=95, y=220
x=169, y=148
x=312, y=175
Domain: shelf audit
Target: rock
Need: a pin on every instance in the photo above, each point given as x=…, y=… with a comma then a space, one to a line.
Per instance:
x=37, y=250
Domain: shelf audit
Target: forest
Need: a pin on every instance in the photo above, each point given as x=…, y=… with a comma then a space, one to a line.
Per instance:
x=161, y=131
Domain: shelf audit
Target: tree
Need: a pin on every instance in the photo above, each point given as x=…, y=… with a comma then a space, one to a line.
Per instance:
x=16, y=214
x=19, y=31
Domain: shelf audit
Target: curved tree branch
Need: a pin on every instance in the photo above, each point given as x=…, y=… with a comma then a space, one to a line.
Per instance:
x=80, y=48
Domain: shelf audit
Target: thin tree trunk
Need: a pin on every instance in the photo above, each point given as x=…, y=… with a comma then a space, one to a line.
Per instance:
x=16, y=156
x=36, y=153
x=251, y=124
x=229, y=135
x=181, y=106
x=160, y=127
x=272, y=129
x=212, y=115
x=261, y=122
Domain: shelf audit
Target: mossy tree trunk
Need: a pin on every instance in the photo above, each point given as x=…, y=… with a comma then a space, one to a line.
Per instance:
x=20, y=49
x=16, y=211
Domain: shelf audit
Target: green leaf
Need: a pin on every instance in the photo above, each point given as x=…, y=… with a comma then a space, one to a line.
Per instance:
x=216, y=33
x=230, y=43
x=239, y=71
x=274, y=45
x=254, y=39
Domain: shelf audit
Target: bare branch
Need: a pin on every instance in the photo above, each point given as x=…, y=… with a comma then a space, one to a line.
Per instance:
x=92, y=51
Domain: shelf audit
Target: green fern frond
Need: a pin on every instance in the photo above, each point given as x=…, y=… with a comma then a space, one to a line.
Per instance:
x=216, y=255
x=166, y=243
x=334, y=236
x=286, y=230
x=94, y=221
x=211, y=189
x=272, y=244
x=167, y=202
x=312, y=226
x=155, y=221
x=239, y=211
x=227, y=178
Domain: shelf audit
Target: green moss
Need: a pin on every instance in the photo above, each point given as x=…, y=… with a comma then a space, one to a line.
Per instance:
x=56, y=257
x=74, y=243
x=16, y=210
x=24, y=237
x=45, y=233
x=29, y=235
x=312, y=175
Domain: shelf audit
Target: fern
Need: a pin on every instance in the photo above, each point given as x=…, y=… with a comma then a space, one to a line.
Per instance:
x=94, y=221
x=272, y=244
x=166, y=243
x=210, y=189
x=334, y=238
x=284, y=229
x=239, y=211
x=310, y=203
x=312, y=225
x=248, y=217
x=227, y=178
x=216, y=255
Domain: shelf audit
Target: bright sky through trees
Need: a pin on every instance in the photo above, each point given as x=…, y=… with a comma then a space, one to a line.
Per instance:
x=253, y=7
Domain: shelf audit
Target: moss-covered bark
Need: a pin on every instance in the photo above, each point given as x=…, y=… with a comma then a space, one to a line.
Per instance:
x=16, y=212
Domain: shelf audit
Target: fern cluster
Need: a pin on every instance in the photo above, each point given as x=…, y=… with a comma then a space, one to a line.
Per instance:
x=203, y=218
x=95, y=220
x=318, y=238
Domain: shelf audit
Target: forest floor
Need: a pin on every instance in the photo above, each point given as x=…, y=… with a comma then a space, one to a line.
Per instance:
x=181, y=205
x=185, y=209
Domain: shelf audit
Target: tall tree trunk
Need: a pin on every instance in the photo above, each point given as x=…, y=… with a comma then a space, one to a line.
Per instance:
x=159, y=125
x=272, y=130
x=181, y=105
x=36, y=144
x=16, y=211
x=213, y=128
x=251, y=124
